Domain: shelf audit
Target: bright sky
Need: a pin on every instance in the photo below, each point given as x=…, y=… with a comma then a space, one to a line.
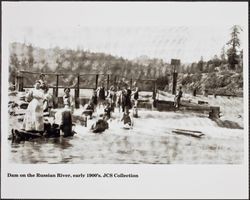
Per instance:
x=163, y=30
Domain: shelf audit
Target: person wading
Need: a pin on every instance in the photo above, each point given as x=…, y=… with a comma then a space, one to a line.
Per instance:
x=178, y=97
x=33, y=119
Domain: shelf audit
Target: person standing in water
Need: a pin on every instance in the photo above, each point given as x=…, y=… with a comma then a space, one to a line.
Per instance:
x=64, y=117
x=94, y=99
x=126, y=118
x=48, y=101
x=33, y=119
x=178, y=97
x=136, y=97
x=68, y=99
x=128, y=98
x=43, y=83
x=101, y=94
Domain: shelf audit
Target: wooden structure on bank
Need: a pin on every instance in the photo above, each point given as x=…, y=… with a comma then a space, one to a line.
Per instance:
x=175, y=63
x=214, y=112
x=19, y=82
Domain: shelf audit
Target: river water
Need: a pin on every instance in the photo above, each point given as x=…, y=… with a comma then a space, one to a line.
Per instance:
x=151, y=141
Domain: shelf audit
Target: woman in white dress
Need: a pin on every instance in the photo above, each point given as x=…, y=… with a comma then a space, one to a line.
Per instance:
x=33, y=119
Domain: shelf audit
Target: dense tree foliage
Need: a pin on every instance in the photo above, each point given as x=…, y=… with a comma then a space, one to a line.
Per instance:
x=220, y=72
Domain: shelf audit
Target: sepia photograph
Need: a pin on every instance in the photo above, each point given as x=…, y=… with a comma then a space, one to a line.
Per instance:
x=107, y=95
x=102, y=93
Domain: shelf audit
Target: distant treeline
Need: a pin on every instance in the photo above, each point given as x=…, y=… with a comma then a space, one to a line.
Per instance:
x=215, y=73
x=27, y=57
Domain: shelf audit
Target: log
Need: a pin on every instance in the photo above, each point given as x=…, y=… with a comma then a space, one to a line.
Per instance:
x=202, y=102
x=188, y=130
x=197, y=134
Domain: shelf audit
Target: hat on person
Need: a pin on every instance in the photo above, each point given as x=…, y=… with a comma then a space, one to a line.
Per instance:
x=41, y=75
x=67, y=88
x=111, y=87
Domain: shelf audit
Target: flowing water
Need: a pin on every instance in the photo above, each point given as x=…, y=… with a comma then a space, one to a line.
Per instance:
x=151, y=141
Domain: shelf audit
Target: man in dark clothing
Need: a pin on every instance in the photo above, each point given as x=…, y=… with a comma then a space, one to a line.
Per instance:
x=94, y=99
x=178, y=97
x=66, y=125
x=128, y=103
x=136, y=97
x=102, y=93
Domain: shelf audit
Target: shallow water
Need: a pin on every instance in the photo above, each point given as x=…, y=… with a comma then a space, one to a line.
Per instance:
x=151, y=141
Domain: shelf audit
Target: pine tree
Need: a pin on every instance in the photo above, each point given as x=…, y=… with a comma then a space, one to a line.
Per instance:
x=234, y=44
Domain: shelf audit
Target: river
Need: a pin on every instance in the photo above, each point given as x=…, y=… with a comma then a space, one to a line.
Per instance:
x=151, y=141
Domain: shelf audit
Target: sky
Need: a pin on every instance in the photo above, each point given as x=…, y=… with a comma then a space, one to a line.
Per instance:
x=162, y=30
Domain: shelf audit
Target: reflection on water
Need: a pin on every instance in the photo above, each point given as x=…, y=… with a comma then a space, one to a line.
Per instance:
x=151, y=141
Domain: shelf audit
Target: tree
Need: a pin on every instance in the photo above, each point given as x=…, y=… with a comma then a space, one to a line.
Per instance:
x=30, y=56
x=234, y=44
x=13, y=67
x=200, y=65
x=216, y=61
x=223, y=54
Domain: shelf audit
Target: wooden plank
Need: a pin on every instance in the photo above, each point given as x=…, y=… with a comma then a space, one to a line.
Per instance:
x=59, y=74
x=188, y=133
x=188, y=130
x=62, y=87
x=96, y=81
x=175, y=75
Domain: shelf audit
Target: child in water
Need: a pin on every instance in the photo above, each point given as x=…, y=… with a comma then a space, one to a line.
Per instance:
x=107, y=111
x=126, y=119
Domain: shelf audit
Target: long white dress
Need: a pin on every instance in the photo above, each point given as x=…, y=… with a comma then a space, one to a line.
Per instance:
x=33, y=119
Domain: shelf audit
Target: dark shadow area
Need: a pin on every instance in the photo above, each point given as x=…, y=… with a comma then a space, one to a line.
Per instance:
x=227, y=124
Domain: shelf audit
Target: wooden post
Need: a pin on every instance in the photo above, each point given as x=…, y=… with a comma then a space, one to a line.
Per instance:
x=20, y=83
x=175, y=63
x=17, y=83
x=54, y=91
x=77, y=92
x=175, y=74
x=57, y=83
x=108, y=82
x=96, y=81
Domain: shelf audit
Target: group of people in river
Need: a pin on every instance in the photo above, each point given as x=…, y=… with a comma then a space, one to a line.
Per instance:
x=120, y=98
x=41, y=103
